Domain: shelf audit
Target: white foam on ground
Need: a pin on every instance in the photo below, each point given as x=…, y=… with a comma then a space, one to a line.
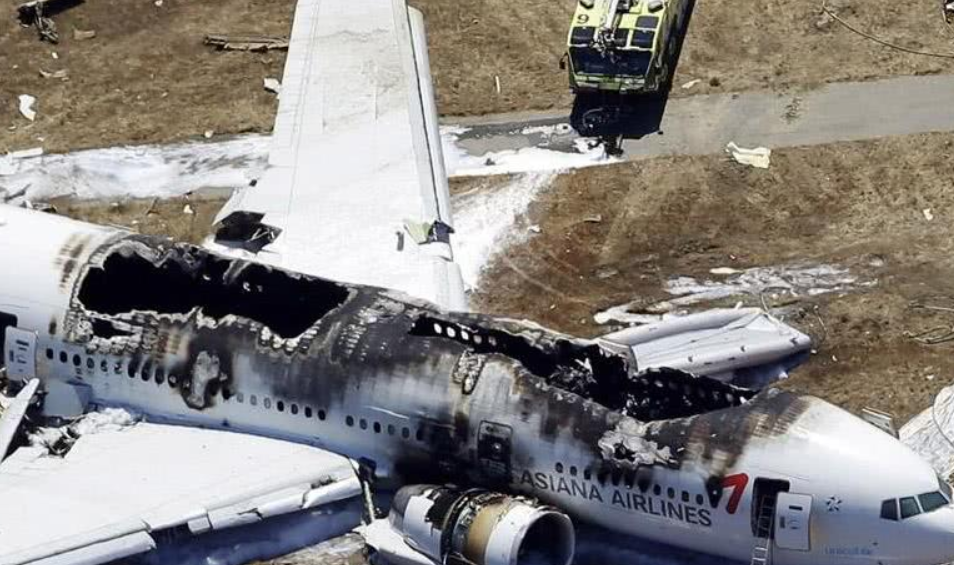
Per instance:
x=163, y=171
x=791, y=280
x=488, y=220
x=140, y=172
x=460, y=163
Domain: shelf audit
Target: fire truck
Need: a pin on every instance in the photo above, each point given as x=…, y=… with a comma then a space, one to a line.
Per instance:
x=623, y=46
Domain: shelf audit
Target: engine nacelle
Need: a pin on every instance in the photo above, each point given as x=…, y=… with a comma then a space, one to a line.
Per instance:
x=478, y=527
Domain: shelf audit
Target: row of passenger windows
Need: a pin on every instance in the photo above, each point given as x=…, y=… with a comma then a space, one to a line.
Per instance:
x=146, y=373
x=629, y=479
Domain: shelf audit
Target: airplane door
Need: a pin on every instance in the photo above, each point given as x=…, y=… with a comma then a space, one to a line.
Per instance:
x=20, y=353
x=493, y=451
x=792, y=521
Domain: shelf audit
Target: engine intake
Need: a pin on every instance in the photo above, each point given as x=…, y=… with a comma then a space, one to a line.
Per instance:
x=479, y=527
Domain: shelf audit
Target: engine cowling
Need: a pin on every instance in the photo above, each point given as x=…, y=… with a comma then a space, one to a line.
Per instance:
x=479, y=527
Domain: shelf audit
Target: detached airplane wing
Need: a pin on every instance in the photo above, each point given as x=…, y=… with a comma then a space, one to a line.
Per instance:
x=355, y=189
x=119, y=491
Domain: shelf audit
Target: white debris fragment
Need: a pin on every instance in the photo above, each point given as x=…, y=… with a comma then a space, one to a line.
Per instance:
x=691, y=83
x=928, y=214
x=26, y=106
x=535, y=229
x=760, y=157
x=10, y=163
x=208, y=134
x=187, y=209
x=55, y=55
x=61, y=74
x=724, y=271
x=273, y=85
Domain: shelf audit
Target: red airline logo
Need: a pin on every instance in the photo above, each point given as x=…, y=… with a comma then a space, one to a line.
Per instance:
x=737, y=483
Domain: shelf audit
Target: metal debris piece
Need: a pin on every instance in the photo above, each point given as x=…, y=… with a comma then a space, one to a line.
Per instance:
x=61, y=74
x=691, y=83
x=26, y=107
x=83, y=35
x=760, y=157
x=928, y=214
x=246, y=42
x=273, y=85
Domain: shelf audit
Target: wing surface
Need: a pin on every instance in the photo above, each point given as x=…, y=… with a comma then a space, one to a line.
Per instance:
x=355, y=188
x=117, y=492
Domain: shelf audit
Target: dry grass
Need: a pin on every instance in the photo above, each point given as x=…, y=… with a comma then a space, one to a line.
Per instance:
x=147, y=77
x=856, y=204
x=152, y=217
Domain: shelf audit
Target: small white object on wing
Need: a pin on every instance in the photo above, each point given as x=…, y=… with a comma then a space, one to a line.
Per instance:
x=273, y=85
x=760, y=157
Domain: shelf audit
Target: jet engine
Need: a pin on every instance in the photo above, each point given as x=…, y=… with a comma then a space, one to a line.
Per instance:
x=477, y=527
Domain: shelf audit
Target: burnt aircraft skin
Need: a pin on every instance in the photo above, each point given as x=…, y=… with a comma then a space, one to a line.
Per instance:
x=174, y=326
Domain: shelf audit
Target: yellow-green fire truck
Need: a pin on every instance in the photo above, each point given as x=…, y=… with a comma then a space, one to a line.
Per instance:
x=623, y=46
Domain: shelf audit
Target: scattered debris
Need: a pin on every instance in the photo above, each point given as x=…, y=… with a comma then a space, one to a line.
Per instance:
x=691, y=83
x=39, y=13
x=535, y=229
x=760, y=157
x=597, y=219
x=273, y=85
x=246, y=42
x=83, y=35
x=497, y=83
x=208, y=134
x=62, y=74
x=928, y=214
x=187, y=209
x=26, y=107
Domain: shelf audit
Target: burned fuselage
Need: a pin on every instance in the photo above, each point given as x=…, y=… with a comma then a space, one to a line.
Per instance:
x=416, y=393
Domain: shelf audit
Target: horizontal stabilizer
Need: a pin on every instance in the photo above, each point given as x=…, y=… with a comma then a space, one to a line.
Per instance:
x=745, y=347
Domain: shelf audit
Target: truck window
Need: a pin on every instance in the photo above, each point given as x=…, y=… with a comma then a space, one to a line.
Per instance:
x=6, y=321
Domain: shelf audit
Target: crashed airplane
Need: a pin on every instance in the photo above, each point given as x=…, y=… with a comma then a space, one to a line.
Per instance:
x=316, y=349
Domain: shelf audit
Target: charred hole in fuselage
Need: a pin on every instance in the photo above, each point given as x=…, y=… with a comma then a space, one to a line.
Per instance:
x=595, y=373
x=107, y=330
x=181, y=279
x=564, y=364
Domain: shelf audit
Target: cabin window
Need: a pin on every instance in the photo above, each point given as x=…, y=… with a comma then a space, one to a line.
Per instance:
x=671, y=492
x=909, y=507
x=587, y=474
x=49, y=352
x=294, y=409
x=280, y=406
x=161, y=376
x=700, y=500
x=90, y=364
x=391, y=429
x=559, y=467
x=322, y=415
x=572, y=471
x=253, y=400
x=405, y=433
x=308, y=412
x=420, y=434
x=103, y=366
x=364, y=424
x=377, y=427
x=349, y=421
x=64, y=357
x=685, y=496
x=267, y=403
x=657, y=490
x=239, y=397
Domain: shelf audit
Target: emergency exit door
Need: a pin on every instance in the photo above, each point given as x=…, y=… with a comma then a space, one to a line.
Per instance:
x=793, y=521
x=20, y=354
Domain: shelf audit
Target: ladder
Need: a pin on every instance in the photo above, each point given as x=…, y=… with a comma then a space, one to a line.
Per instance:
x=762, y=552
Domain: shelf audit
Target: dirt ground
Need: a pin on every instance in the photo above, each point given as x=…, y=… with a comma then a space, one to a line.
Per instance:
x=147, y=77
x=858, y=205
